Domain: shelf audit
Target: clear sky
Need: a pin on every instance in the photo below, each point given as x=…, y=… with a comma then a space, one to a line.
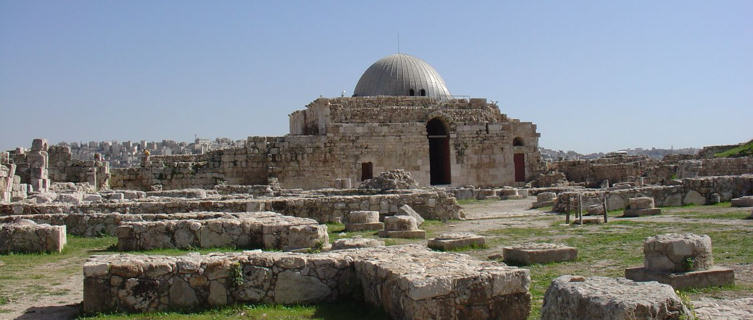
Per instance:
x=594, y=75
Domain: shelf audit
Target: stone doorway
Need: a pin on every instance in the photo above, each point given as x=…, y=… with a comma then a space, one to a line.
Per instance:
x=520, y=167
x=367, y=170
x=439, y=151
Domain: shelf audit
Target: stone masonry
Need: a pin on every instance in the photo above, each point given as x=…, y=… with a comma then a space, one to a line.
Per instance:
x=595, y=298
x=408, y=282
x=26, y=236
x=682, y=261
x=267, y=230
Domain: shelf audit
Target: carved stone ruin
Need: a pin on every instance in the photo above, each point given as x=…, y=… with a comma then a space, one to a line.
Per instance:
x=456, y=240
x=26, y=236
x=578, y=298
x=363, y=221
x=401, y=227
x=408, y=282
x=641, y=206
x=682, y=261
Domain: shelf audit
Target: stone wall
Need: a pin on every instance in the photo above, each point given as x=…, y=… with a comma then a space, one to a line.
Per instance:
x=267, y=230
x=692, y=191
x=333, y=138
x=63, y=168
x=29, y=237
x=631, y=168
x=430, y=204
x=408, y=282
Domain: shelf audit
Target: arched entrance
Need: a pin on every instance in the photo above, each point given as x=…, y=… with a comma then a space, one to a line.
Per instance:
x=439, y=151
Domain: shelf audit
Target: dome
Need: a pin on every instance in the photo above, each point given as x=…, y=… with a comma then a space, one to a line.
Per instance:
x=401, y=75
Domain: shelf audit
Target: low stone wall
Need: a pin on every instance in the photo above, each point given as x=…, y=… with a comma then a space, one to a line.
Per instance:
x=429, y=204
x=97, y=224
x=692, y=191
x=267, y=230
x=408, y=282
x=27, y=236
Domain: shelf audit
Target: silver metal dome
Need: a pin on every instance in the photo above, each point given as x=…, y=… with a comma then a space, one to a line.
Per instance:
x=401, y=75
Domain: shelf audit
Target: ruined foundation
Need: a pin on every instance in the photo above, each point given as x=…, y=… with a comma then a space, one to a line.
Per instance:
x=25, y=236
x=408, y=282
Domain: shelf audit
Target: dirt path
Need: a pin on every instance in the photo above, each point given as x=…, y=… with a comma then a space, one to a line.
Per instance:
x=59, y=301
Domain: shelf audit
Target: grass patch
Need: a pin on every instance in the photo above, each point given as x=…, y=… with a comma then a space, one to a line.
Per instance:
x=476, y=201
x=336, y=311
x=742, y=150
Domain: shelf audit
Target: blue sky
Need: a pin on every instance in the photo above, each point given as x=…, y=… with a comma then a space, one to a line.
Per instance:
x=593, y=75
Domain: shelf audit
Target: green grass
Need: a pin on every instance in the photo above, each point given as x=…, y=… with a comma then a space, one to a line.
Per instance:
x=476, y=201
x=338, y=311
x=739, y=151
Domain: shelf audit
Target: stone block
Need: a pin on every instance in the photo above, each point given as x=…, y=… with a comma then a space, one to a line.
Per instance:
x=595, y=209
x=356, y=242
x=39, y=144
x=510, y=194
x=26, y=236
x=544, y=199
x=532, y=253
x=712, y=277
x=358, y=217
x=406, y=210
x=400, y=223
x=115, y=196
x=746, y=201
x=72, y=198
x=628, y=213
x=677, y=252
x=92, y=198
x=575, y=297
x=694, y=197
x=357, y=227
x=641, y=203
x=406, y=234
x=456, y=240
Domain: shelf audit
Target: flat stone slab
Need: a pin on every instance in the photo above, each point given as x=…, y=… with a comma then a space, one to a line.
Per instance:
x=532, y=253
x=355, y=227
x=579, y=298
x=356, y=242
x=713, y=277
x=26, y=236
x=456, y=240
x=406, y=234
x=746, y=201
x=713, y=309
x=588, y=220
x=630, y=213
x=408, y=282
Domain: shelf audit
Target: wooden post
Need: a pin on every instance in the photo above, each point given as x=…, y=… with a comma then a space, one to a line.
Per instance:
x=567, y=213
x=580, y=208
x=604, y=204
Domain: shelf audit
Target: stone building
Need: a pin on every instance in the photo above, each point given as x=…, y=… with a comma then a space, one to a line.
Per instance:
x=401, y=116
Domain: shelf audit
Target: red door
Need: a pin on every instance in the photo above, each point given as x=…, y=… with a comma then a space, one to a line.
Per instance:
x=520, y=167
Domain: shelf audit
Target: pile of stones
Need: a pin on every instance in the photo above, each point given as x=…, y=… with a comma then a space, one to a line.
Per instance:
x=402, y=227
x=26, y=236
x=682, y=261
x=641, y=206
x=390, y=180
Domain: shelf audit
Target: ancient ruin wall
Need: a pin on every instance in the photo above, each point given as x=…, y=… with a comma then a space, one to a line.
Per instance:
x=429, y=204
x=408, y=282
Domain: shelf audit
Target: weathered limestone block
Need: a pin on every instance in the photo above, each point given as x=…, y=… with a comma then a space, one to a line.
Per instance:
x=595, y=209
x=545, y=199
x=23, y=235
x=182, y=193
x=456, y=240
x=746, y=201
x=641, y=206
x=72, y=198
x=262, y=230
x=484, y=194
x=356, y=242
x=677, y=252
x=512, y=194
x=406, y=210
x=532, y=253
x=713, y=309
x=575, y=297
x=408, y=282
x=363, y=221
x=401, y=227
x=641, y=203
x=682, y=261
x=694, y=197
x=92, y=198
